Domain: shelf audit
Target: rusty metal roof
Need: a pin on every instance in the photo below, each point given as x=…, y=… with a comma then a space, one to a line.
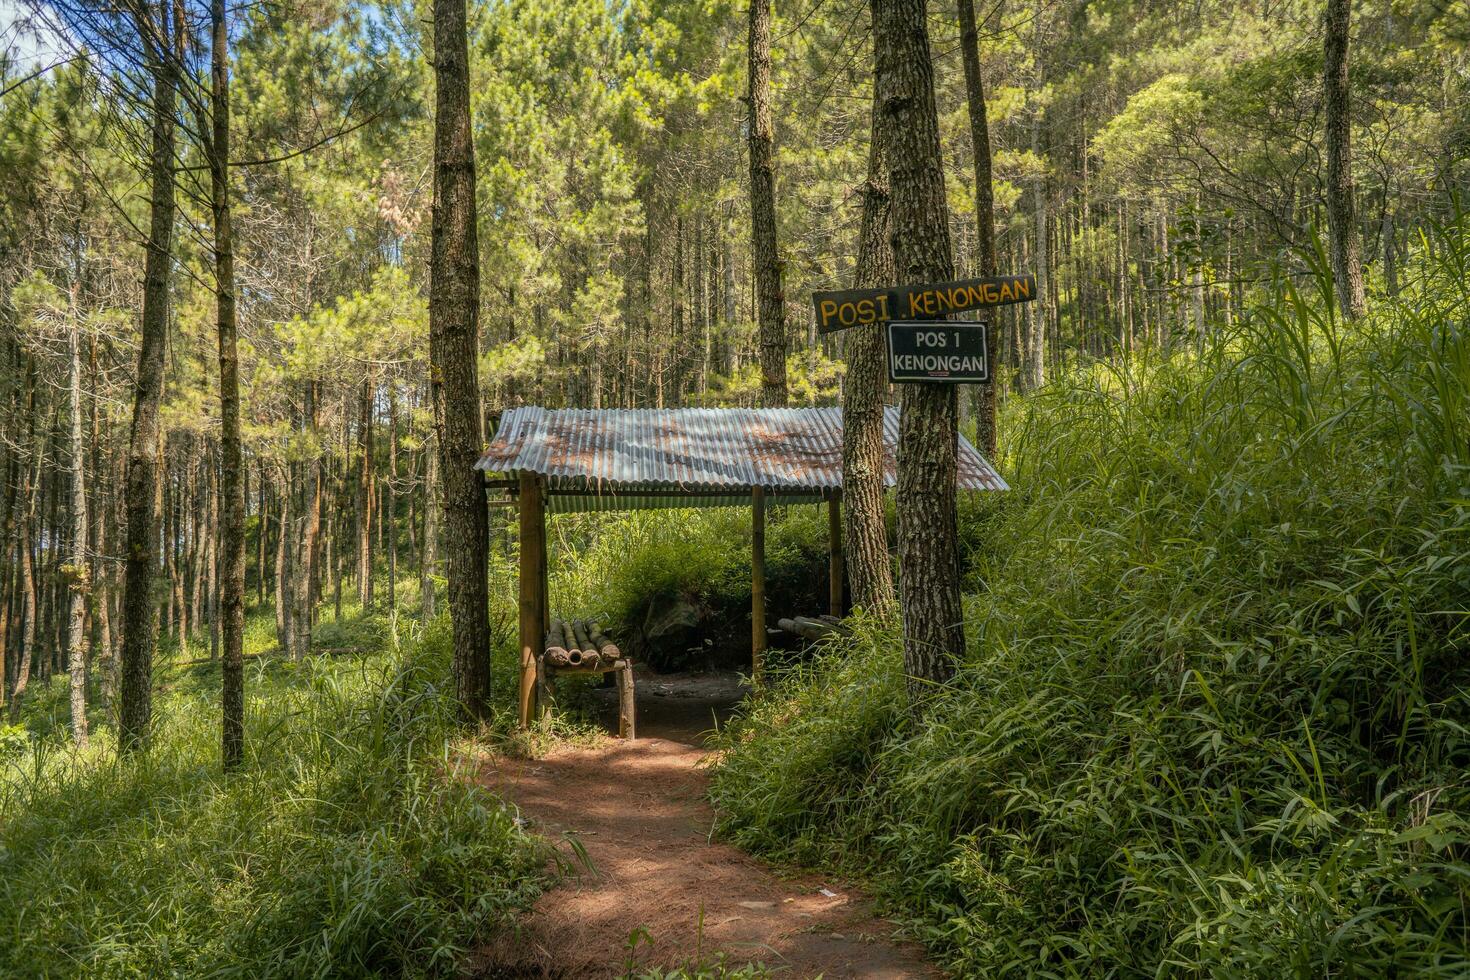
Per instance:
x=617, y=452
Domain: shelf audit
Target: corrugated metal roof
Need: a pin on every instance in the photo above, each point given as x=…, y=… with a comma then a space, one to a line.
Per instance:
x=618, y=452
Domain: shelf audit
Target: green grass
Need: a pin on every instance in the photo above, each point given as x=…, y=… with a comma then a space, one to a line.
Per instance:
x=1214, y=718
x=348, y=845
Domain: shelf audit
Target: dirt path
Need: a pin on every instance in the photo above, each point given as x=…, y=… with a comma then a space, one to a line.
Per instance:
x=639, y=810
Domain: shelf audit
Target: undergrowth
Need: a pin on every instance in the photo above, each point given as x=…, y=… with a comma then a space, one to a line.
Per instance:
x=345, y=846
x=1213, y=717
x=628, y=568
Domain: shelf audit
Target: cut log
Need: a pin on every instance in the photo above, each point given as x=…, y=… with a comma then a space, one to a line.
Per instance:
x=568, y=641
x=823, y=624
x=811, y=629
x=584, y=642
x=553, y=645
x=606, y=648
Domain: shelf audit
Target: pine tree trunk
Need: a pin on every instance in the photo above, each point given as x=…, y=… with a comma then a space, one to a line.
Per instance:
x=865, y=534
x=365, y=502
x=77, y=577
x=770, y=299
x=282, y=591
x=454, y=303
x=1036, y=312
x=984, y=202
x=933, y=628
x=1342, y=211
x=389, y=504
x=427, y=556
x=138, y=627
x=28, y=617
x=232, y=491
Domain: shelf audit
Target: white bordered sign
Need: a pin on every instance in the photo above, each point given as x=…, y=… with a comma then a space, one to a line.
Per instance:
x=938, y=350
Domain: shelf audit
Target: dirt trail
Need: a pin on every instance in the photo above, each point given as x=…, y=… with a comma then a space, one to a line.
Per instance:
x=639, y=810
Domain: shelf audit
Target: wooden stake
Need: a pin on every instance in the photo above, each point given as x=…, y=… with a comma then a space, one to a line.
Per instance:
x=532, y=596
x=836, y=566
x=757, y=584
x=627, y=707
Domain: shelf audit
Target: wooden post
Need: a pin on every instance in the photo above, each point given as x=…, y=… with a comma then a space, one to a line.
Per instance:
x=836, y=567
x=627, y=705
x=757, y=584
x=543, y=687
x=545, y=560
x=533, y=598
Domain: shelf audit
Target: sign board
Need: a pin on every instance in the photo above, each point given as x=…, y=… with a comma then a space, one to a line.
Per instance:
x=937, y=350
x=855, y=307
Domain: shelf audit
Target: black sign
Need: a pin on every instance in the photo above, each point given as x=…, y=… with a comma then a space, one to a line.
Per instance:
x=854, y=307
x=936, y=350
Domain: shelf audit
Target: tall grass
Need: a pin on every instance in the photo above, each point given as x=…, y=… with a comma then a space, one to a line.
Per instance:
x=345, y=846
x=1213, y=718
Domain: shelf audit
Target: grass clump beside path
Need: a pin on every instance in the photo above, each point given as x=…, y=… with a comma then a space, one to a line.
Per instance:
x=343, y=848
x=1214, y=717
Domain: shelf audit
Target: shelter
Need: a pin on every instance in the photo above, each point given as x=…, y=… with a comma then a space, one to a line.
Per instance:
x=569, y=460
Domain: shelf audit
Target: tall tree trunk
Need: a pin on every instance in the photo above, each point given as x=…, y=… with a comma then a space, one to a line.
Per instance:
x=77, y=568
x=28, y=613
x=365, y=502
x=262, y=531
x=454, y=304
x=428, y=558
x=770, y=299
x=933, y=627
x=865, y=535
x=138, y=627
x=1342, y=210
x=984, y=201
x=389, y=503
x=304, y=543
x=282, y=593
x=1036, y=312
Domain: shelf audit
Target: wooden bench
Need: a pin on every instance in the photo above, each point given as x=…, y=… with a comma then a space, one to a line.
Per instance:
x=579, y=646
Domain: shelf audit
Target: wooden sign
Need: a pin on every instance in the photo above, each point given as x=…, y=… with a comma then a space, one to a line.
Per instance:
x=855, y=307
x=935, y=350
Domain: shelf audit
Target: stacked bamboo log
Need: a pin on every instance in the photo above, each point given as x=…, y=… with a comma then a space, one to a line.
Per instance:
x=580, y=645
x=818, y=628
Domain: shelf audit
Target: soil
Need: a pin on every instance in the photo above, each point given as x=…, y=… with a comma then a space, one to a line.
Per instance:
x=639, y=810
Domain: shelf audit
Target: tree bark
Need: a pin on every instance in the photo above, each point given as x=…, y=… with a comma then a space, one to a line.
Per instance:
x=365, y=502
x=77, y=577
x=1342, y=212
x=865, y=534
x=1035, y=373
x=428, y=556
x=984, y=202
x=454, y=304
x=933, y=629
x=138, y=626
x=770, y=299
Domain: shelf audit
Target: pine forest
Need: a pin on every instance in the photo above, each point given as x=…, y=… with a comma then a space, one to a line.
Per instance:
x=694, y=488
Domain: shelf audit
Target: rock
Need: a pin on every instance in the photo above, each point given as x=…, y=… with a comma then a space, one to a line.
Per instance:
x=671, y=625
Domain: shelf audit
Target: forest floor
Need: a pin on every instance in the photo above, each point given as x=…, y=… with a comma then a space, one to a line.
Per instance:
x=639, y=810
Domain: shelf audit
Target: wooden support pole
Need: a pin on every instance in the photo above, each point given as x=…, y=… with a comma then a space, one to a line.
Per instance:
x=545, y=558
x=836, y=567
x=532, y=594
x=757, y=584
